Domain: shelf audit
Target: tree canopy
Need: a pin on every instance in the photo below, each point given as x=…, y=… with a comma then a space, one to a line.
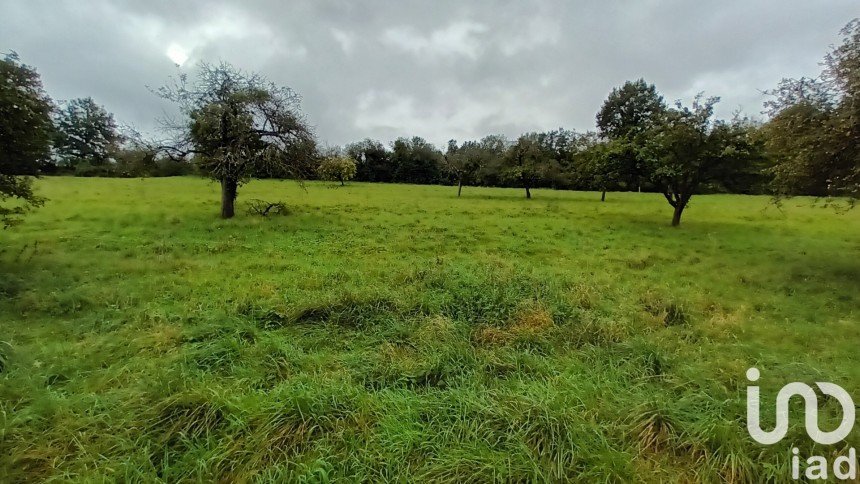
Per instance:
x=813, y=135
x=337, y=168
x=25, y=136
x=689, y=149
x=85, y=133
x=630, y=110
x=416, y=161
x=238, y=124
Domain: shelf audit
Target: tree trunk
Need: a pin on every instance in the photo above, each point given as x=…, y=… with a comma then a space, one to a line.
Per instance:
x=676, y=218
x=528, y=192
x=459, y=186
x=228, y=197
x=603, y=196
x=341, y=182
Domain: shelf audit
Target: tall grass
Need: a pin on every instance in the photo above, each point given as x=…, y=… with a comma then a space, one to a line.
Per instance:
x=389, y=332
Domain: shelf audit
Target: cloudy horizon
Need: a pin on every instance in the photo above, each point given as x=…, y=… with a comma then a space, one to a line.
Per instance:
x=439, y=70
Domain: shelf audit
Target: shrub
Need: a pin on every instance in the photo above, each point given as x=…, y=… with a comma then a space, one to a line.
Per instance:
x=337, y=168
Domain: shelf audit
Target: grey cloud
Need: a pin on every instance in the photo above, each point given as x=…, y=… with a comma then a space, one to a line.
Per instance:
x=440, y=69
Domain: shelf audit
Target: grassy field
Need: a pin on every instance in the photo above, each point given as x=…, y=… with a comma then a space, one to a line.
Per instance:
x=393, y=332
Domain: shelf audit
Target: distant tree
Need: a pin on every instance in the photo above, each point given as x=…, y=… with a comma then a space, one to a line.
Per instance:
x=798, y=139
x=337, y=168
x=490, y=169
x=462, y=162
x=456, y=163
x=415, y=161
x=85, y=133
x=25, y=136
x=559, y=147
x=813, y=135
x=372, y=159
x=613, y=164
x=690, y=149
x=239, y=125
x=628, y=113
x=525, y=162
x=630, y=110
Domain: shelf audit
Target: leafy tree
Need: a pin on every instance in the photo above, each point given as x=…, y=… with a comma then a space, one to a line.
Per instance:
x=373, y=161
x=25, y=136
x=797, y=136
x=613, y=164
x=690, y=149
x=337, y=168
x=814, y=131
x=86, y=133
x=491, y=151
x=626, y=115
x=463, y=162
x=525, y=162
x=239, y=125
x=415, y=161
x=457, y=163
x=559, y=147
x=630, y=110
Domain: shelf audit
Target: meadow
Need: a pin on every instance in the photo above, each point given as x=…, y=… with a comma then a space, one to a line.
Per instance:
x=383, y=332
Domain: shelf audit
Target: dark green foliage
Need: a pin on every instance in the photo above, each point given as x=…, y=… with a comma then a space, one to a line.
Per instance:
x=630, y=110
x=814, y=132
x=475, y=162
x=526, y=162
x=624, y=121
x=5, y=355
x=689, y=149
x=85, y=134
x=416, y=161
x=25, y=136
x=373, y=161
x=616, y=164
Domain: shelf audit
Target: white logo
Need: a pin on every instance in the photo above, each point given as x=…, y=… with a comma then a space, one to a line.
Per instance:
x=811, y=410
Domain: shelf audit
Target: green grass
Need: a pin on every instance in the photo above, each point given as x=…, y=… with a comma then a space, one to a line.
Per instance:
x=391, y=332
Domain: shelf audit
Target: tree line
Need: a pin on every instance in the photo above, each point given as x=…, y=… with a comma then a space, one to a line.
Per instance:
x=236, y=125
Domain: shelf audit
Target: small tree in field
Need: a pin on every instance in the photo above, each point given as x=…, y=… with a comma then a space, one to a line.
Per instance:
x=462, y=162
x=337, y=168
x=524, y=162
x=25, y=135
x=611, y=164
x=239, y=125
x=690, y=149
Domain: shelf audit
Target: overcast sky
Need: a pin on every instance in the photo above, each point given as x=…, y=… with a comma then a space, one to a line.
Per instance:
x=437, y=69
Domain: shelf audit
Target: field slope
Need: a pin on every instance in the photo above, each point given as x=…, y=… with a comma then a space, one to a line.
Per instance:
x=390, y=332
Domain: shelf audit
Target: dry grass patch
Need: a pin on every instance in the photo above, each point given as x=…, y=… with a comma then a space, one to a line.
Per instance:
x=527, y=324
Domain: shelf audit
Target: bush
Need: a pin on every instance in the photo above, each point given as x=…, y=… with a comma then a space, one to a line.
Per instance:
x=337, y=168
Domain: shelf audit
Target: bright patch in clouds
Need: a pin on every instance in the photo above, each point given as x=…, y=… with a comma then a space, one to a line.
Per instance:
x=177, y=54
x=459, y=38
